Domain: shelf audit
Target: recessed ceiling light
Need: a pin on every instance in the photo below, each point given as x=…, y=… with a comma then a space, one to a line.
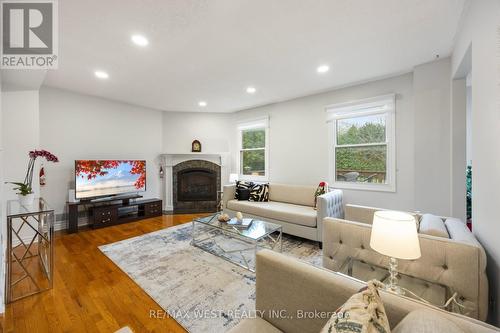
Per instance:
x=202, y=104
x=101, y=75
x=251, y=90
x=323, y=69
x=140, y=40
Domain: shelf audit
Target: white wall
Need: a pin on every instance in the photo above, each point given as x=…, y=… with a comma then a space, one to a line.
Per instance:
x=181, y=128
x=75, y=126
x=432, y=88
x=2, y=211
x=458, y=148
x=479, y=34
x=299, y=139
x=20, y=134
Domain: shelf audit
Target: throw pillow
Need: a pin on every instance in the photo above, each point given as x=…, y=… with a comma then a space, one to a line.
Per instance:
x=426, y=321
x=242, y=185
x=363, y=312
x=243, y=194
x=433, y=225
x=460, y=232
x=321, y=189
x=259, y=192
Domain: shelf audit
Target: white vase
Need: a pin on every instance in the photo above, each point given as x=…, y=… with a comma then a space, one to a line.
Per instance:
x=26, y=200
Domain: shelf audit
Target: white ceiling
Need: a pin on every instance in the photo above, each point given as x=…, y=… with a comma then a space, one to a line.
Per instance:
x=212, y=50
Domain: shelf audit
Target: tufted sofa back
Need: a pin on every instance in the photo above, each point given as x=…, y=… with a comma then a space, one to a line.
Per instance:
x=457, y=264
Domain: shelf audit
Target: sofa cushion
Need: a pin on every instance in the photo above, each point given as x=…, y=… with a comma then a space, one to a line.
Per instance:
x=294, y=194
x=302, y=215
x=433, y=225
x=254, y=325
x=363, y=312
x=426, y=321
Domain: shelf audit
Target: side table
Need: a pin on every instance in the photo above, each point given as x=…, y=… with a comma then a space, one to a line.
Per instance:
x=30, y=249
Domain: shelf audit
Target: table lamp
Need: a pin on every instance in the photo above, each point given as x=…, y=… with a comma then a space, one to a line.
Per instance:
x=233, y=177
x=394, y=234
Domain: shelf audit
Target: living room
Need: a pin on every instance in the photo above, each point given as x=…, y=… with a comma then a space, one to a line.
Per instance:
x=309, y=121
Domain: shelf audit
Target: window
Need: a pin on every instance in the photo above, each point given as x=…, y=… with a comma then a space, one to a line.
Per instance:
x=253, y=143
x=362, y=135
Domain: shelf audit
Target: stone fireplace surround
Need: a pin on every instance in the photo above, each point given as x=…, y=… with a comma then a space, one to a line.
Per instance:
x=170, y=160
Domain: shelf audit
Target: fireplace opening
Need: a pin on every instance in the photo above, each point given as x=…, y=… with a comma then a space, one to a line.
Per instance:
x=196, y=184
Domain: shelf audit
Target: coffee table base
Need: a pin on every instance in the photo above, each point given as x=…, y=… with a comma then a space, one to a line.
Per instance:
x=240, y=251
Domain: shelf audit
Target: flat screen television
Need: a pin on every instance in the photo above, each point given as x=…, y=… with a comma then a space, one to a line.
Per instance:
x=103, y=178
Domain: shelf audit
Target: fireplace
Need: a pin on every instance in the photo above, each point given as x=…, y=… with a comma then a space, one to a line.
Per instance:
x=196, y=184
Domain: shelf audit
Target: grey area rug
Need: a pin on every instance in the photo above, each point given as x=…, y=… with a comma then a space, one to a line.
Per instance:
x=202, y=292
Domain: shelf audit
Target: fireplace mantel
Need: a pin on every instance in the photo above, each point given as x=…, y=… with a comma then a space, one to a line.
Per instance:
x=169, y=160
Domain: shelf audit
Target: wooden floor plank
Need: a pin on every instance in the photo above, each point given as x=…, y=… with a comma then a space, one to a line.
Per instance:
x=91, y=294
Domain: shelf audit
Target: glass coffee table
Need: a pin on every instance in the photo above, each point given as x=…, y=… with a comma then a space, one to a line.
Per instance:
x=237, y=246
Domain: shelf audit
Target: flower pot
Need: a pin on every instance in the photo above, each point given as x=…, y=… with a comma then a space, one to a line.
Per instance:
x=26, y=200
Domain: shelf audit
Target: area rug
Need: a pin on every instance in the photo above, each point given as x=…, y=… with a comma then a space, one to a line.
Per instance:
x=202, y=292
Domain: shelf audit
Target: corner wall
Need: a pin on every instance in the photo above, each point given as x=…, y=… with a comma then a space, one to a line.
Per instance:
x=75, y=126
x=479, y=34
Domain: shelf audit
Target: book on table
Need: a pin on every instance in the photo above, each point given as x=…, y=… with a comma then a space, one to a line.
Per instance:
x=240, y=224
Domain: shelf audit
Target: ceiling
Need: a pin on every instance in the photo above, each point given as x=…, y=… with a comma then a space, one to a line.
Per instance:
x=212, y=50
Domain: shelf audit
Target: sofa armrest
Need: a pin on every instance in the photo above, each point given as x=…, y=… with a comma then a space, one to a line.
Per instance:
x=287, y=289
x=227, y=194
x=329, y=205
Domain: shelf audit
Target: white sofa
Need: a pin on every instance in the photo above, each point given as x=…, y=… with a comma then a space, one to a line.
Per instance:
x=291, y=206
x=458, y=261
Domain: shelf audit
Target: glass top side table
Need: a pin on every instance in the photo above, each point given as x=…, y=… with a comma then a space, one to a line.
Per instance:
x=30, y=249
x=429, y=292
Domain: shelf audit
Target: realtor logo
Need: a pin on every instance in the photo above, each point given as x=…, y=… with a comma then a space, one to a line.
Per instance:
x=29, y=34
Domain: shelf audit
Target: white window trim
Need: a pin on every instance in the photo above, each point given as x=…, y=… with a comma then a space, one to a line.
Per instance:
x=376, y=105
x=262, y=122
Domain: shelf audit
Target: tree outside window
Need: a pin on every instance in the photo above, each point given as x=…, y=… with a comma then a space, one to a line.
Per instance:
x=253, y=152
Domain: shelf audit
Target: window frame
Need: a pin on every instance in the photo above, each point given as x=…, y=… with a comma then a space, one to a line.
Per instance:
x=259, y=123
x=380, y=105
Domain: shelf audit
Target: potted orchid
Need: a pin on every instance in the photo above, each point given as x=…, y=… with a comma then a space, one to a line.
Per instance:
x=25, y=189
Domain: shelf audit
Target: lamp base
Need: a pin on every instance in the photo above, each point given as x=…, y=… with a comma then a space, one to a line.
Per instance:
x=392, y=286
x=394, y=289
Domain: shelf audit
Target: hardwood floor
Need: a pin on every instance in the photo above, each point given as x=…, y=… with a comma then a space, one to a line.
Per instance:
x=90, y=293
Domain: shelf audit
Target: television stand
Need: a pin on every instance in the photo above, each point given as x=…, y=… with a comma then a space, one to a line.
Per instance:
x=113, y=211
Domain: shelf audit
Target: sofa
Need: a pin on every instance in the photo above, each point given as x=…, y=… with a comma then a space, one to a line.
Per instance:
x=292, y=297
x=291, y=206
x=458, y=262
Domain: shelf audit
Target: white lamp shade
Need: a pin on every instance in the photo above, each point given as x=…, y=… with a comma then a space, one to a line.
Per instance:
x=394, y=234
x=233, y=177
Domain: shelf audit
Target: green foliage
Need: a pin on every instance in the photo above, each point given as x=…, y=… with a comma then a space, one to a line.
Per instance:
x=368, y=133
x=24, y=189
x=468, y=185
x=254, y=139
x=253, y=161
x=371, y=158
